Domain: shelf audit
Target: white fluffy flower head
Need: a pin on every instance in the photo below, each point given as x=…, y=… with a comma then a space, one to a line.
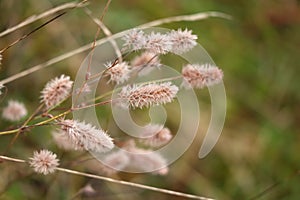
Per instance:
x=199, y=76
x=145, y=63
x=146, y=59
x=159, y=139
x=158, y=43
x=56, y=90
x=143, y=160
x=139, y=96
x=134, y=39
x=14, y=111
x=62, y=140
x=44, y=162
x=86, y=136
x=150, y=130
x=118, y=73
x=182, y=41
x=115, y=162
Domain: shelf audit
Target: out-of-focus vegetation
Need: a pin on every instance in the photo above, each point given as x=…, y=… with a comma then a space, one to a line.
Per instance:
x=259, y=52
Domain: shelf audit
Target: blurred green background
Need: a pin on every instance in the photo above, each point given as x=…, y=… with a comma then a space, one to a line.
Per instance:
x=258, y=51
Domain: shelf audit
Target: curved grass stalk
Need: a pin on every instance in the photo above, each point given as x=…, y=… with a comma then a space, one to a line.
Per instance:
x=193, y=17
x=47, y=13
x=131, y=184
x=107, y=32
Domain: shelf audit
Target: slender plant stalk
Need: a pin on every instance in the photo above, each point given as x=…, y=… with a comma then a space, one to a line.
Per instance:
x=92, y=105
x=11, y=159
x=107, y=32
x=95, y=38
x=37, y=124
x=193, y=17
x=136, y=185
x=33, y=31
x=47, y=13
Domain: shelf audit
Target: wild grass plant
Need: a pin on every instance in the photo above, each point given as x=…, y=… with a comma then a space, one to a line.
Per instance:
x=49, y=139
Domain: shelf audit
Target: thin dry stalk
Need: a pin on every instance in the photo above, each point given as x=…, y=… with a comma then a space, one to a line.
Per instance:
x=11, y=159
x=42, y=123
x=136, y=185
x=193, y=17
x=31, y=32
x=34, y=18
x=107, y=32
x=95, y=38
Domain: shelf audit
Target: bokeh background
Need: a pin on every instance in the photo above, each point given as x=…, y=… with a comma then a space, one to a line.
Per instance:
x=257, y=155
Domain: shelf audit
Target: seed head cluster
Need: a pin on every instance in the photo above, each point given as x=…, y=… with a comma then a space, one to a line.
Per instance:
x=159, y=139
x=135, y=40
x=56, y=90
x=118, y=73
x=62, y=141
x=158, y=43
x=79, y=135
x=14, y=111
x=150, y=130
x=134, y=158
x=145, y=63
x=44, y=162
x=177, y=42
x=139, y=96
x=182, y=41
x=115, y=162
x=200, y=76
x=86, y=136
x=145, y=59
x=146, y=160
